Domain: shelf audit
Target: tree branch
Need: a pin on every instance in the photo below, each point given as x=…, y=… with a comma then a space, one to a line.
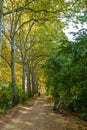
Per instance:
x=25, y=23
x=5, y=60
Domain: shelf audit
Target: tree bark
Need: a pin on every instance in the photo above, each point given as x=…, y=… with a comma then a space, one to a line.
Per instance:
x=1, y=15
x=24, y=73
x=32, y=82
x=28, y=82
x=13, y=70
x=34, y=87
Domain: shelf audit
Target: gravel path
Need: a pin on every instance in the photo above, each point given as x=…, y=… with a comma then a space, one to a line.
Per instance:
x=39, y=116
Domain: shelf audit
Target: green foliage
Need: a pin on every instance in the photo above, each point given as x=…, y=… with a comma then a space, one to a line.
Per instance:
x=66, y=74
x=84, y=115
x=22, y=95
x=5, y=97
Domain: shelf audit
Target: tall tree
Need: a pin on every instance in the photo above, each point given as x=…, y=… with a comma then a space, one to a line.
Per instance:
x=1, y=15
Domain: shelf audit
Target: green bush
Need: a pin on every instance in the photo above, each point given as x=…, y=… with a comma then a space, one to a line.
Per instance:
x=5, y=97
x=22, y=95
x=84, y=115
x=66, y=76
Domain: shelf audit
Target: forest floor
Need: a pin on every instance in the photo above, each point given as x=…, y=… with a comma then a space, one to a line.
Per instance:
x=37, y=115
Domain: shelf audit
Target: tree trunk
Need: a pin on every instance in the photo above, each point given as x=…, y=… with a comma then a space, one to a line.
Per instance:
x=33, y=83
x=36, y=86
x=1, y=14
x=24, y=74
x=28, y=82
x=13, y=70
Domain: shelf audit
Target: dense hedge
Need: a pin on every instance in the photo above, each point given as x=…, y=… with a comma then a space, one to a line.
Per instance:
x=6, y=97
x=66, y=75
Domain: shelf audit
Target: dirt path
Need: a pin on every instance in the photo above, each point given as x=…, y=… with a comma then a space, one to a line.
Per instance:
x=39, y=116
